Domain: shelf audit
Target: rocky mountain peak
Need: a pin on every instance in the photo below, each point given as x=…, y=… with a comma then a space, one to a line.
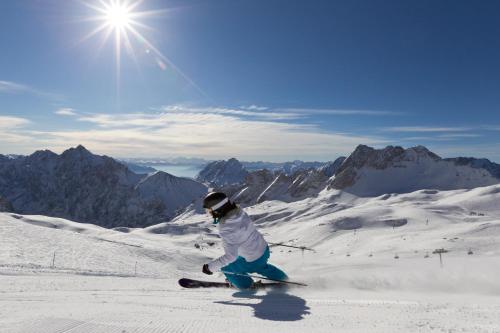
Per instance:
x=77, y=152
x=221, y=173
x=369, y=171
x=42, y=155
x=84, y=187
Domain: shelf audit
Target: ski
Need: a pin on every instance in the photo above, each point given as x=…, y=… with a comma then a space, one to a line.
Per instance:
x=266, y=278
x=190, y=283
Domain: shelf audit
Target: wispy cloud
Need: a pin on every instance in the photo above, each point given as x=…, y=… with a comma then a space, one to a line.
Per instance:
x=255, y=107
x=11, y=87
x=460, y=136
x=252, y=111
x=11, y=122
x=207, y=132
x=17, y=88
x=424, y=129
x=11, y=131
x=491, y=128
x=66, y=112
x=340, y=112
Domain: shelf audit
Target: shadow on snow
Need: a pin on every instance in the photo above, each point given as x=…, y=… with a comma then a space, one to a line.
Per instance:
x=274, y=305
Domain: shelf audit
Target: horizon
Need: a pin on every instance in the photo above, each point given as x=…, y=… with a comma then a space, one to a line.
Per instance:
x=215, y=80
x=170, y=158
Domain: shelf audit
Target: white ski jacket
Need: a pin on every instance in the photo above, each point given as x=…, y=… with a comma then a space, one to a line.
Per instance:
x=239, y=238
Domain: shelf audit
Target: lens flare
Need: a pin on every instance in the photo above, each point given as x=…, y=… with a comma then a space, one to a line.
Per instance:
x=122, y=19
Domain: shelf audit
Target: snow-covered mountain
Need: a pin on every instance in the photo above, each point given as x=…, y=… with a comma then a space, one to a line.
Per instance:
x=284, y=181
x=371, y=172
x=264, y=185
x=287, y=168
x=84, y=187
x=478, y=163
x=221, y=173
x=232, y=171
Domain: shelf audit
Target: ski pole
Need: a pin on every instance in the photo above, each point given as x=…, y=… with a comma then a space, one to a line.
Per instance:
x=295, y=247
x=265, y=278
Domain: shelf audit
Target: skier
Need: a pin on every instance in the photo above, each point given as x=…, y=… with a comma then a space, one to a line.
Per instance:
x=246, y=251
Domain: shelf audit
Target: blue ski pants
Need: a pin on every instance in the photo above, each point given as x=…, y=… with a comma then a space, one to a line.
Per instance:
x=243, y=267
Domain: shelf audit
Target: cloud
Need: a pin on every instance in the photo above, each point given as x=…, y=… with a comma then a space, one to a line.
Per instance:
x=211, y=133
x=491, y=128
x=17, y=88
x=251, y=112
x=424, y=129
x=11, y=87
x=255, y=107
x=11, y=122
x=460, y=135
x=223, y=132
x=66, y=112
x=11, y=131
x=340, y=112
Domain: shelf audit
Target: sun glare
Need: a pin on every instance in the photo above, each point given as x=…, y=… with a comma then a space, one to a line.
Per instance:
x=118, y=16
x=123, y=20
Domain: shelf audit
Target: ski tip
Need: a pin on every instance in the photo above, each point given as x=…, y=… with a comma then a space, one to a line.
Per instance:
x=184, y=282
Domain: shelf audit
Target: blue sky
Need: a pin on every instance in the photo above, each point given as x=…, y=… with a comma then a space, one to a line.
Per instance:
x=257, y=80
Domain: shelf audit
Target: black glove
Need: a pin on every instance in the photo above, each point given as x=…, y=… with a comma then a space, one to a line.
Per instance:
x=206, y=270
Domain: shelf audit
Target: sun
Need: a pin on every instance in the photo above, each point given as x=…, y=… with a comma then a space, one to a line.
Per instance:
x=123, y=20
x=118, y=16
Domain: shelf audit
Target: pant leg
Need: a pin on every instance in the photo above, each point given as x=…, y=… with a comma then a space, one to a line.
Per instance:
x=240, y=267
x=261, y=267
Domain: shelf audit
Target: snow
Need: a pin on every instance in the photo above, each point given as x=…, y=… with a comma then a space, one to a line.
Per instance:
x=372, y=172
x=62, y=276
x=411, y=176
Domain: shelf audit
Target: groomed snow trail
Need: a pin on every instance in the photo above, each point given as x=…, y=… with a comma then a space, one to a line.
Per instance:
x=49, y=303
x=374, y=269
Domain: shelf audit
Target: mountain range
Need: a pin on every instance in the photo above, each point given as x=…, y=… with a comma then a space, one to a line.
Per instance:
x=366, y=172
x=84, y=187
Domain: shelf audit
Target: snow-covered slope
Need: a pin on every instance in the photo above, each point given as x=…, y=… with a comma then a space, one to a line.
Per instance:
x=372, y=172
x=264, y=185
x=373, y=269
x=478, y=163
x=94, y=189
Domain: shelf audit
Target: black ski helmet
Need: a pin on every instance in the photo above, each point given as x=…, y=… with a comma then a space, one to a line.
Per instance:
x=218, y=203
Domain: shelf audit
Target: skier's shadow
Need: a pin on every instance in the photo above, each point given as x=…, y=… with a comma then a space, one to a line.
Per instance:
x=274, y=305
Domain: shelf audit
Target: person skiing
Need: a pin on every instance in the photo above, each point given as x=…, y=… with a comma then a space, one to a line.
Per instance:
x=246, y=250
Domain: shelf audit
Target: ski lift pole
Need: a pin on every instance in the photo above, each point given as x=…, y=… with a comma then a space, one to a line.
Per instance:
x=440, y=252
x=295, y=247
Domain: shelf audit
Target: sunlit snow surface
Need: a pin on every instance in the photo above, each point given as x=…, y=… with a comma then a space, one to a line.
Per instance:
x=373, y=269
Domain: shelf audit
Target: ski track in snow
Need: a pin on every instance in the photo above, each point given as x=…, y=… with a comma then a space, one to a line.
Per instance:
x=61, y=276
x=124, y=309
